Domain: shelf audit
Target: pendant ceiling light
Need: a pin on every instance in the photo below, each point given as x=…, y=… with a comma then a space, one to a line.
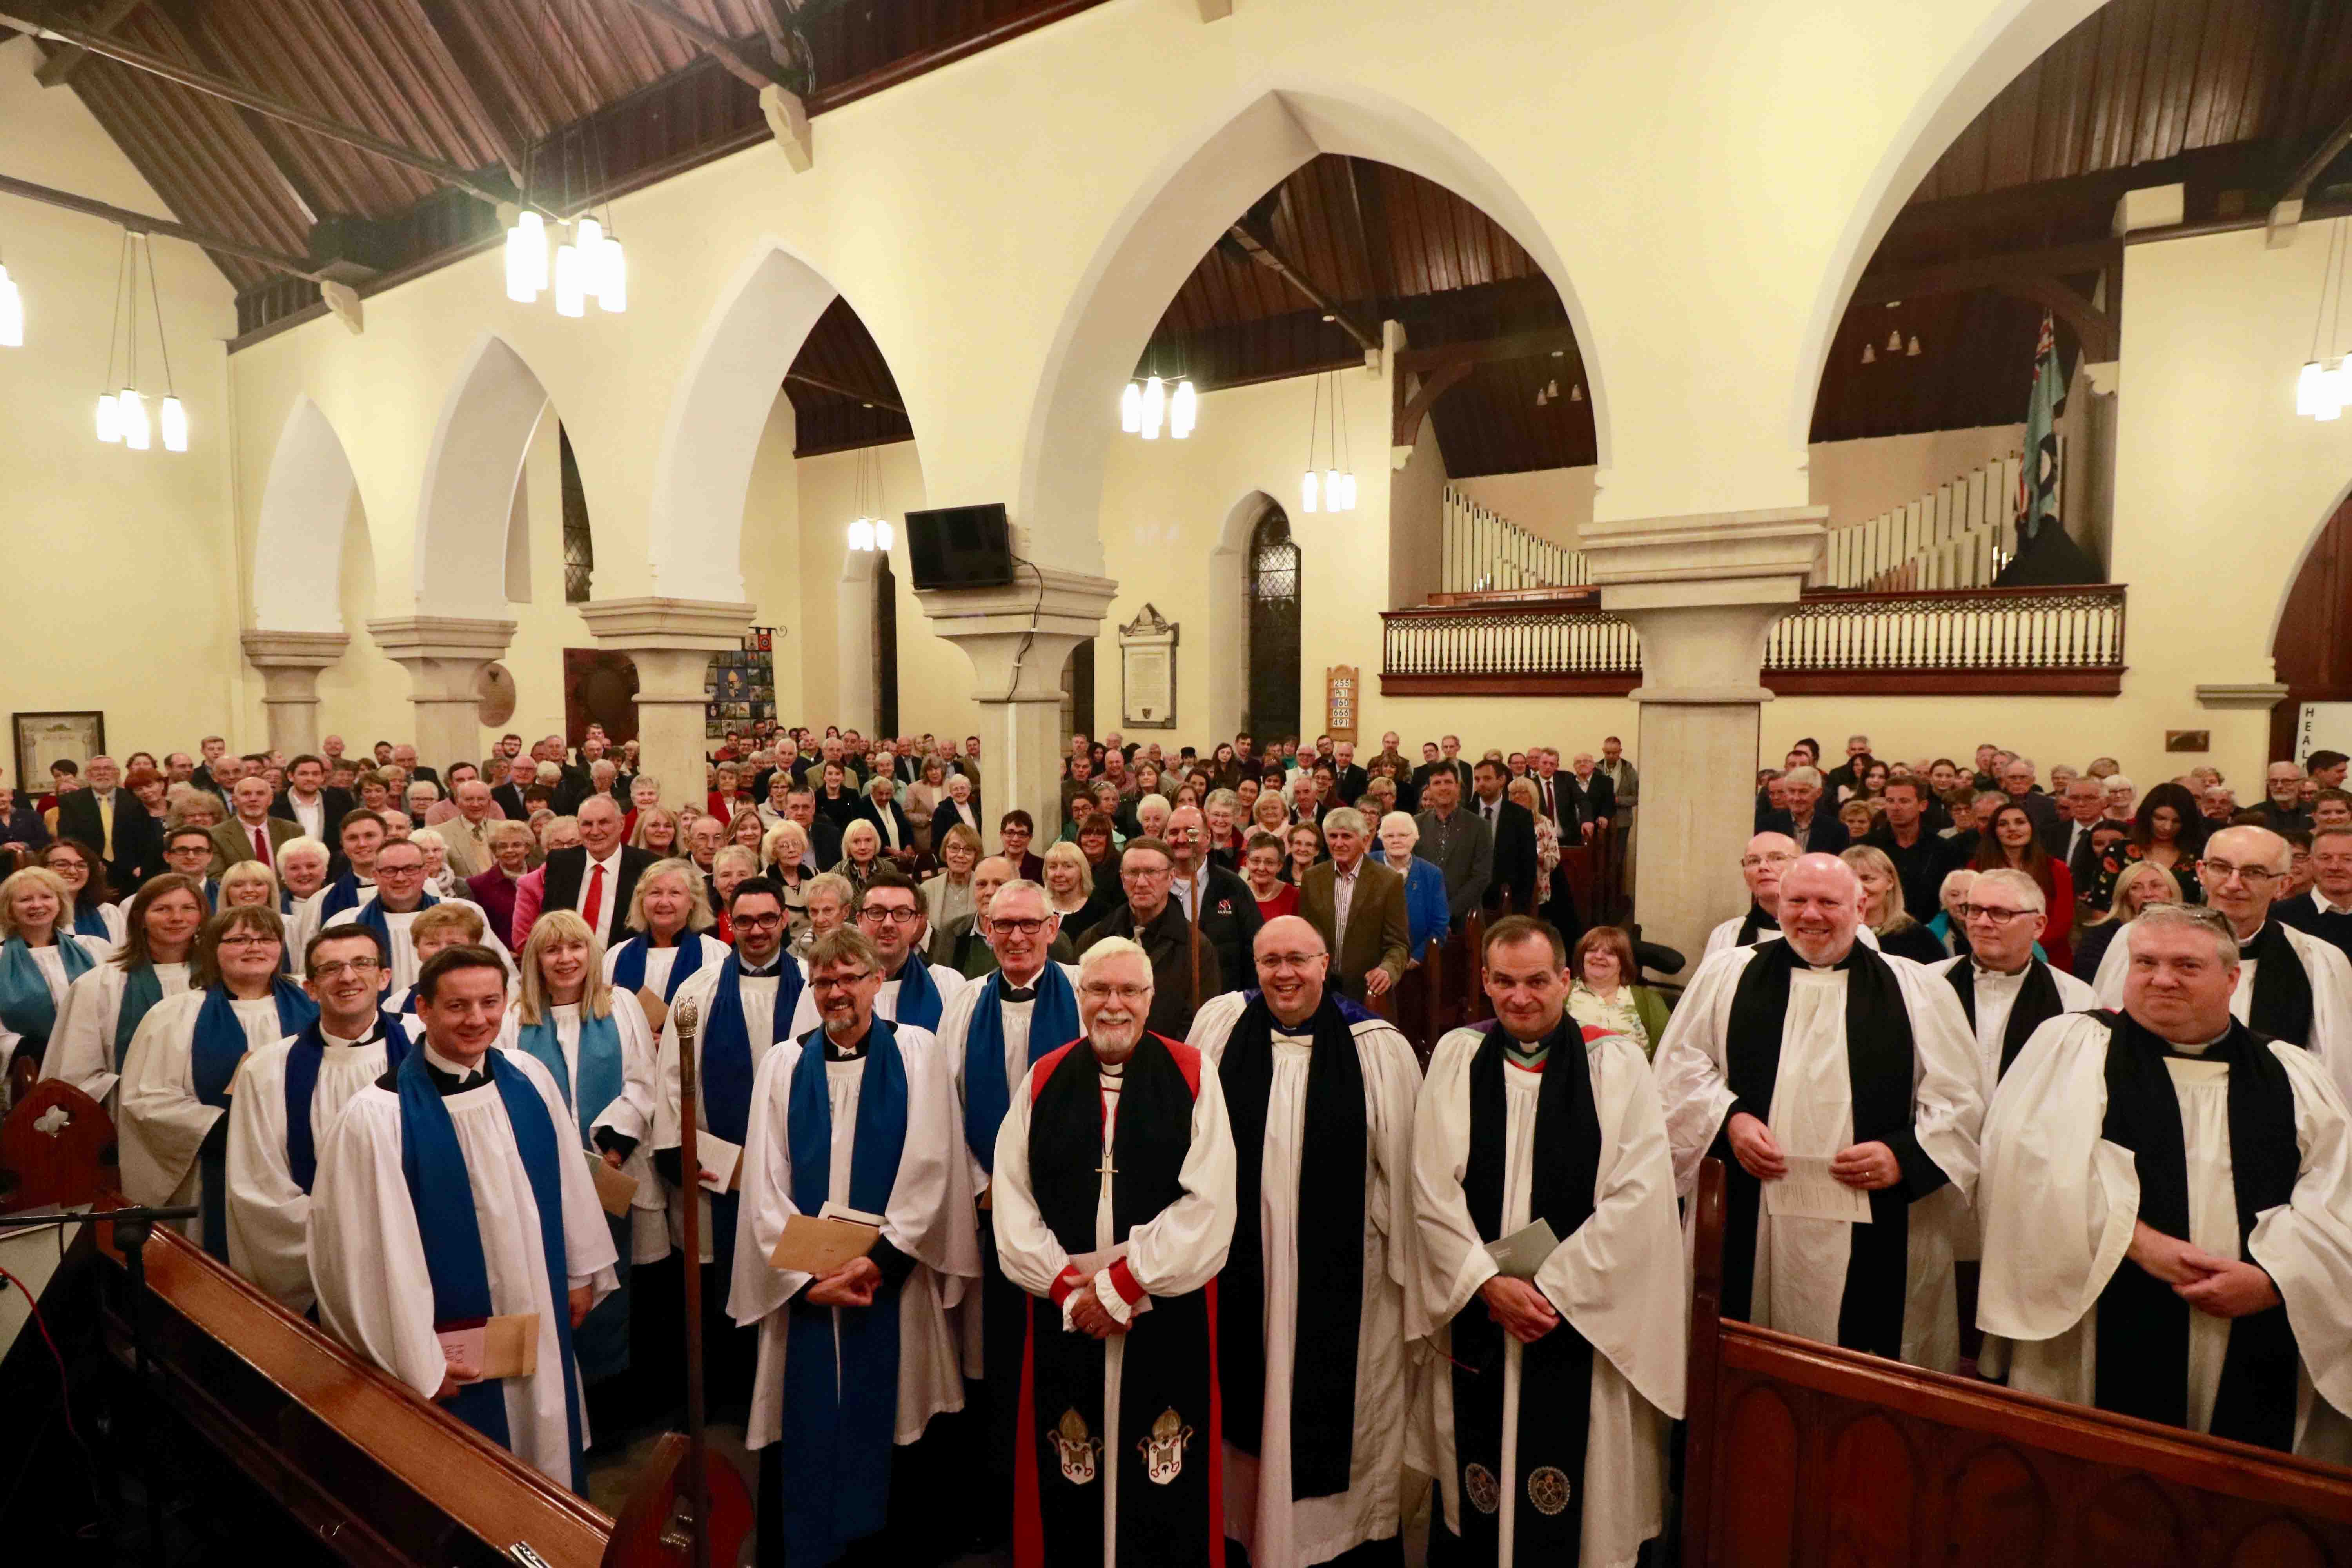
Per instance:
x=1334, y=489
x=122, y=414
x=875, y=532
x=2325, y=385
x=589, y=261
x=12, y=310
x=1146, y=406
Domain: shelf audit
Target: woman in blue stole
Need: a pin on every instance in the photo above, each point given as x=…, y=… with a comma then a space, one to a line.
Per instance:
x=594, y=1040
x=84, y=875
x=668, y=914
x=251, y=883
x=104, y=1008
x=38, y=959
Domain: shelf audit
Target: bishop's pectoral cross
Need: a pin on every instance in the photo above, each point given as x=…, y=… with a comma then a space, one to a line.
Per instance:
x=1107, y=1168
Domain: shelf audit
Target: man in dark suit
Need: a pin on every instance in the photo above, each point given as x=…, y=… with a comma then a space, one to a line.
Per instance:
x=1589, y=802
x=404, y=757
x=1921, y=858
x=2017, y=783
x=1444, y=758
x=598, y=877
x=1848, y=774
x=1511, y=884
x=2068, y=837
x=309, y=801
x=823, y=833
x=1815, y=831
x=1352, y=778
x=508, y=791
x=114, y=822
x=1151, y=917
x=1228, y=916
x=1369, y=953
x=881, y=808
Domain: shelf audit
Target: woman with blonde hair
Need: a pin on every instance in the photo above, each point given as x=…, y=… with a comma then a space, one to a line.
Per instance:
x=1071, y=891
x=668, y=923
x=594, y=1040
x=658, y=830
x=103, y=1009
x=40, y=957
x=250, y=882
x=1882, y=907
x=184, y=1057
x=2137, y=885
x=861, y=853
x=1269, y=814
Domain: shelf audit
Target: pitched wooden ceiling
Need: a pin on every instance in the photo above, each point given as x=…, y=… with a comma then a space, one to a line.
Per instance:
x=2225, y=95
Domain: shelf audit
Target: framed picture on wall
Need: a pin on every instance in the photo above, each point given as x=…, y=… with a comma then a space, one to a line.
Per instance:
x=45, y=738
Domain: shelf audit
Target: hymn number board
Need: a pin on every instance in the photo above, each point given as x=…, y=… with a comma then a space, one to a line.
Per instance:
x=1341, y=690
x=739, y=687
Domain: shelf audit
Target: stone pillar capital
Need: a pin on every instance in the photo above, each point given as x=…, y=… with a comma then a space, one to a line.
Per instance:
x=293, y=650
x=670, y=642
x=290, y=663
x=1018, y=636
x=649, y=621
x=444, y=656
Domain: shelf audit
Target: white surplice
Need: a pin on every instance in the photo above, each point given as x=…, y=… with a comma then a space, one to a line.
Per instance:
x=81, y=1046
x=1280, y=1531
x=367, y=1254
x=1996, y=998
x=758, y=997
x=660, y=960
x=403, y=947
x=268, y=1212
x=2060, y=1202
x=2331, y=995
x=1801, y=1264
x=950, y=983
x=51, y=962
x=1013, y=1019
x=162, y=1123
x=628, y=1113
x=929, y=1217
x=1617, y=1279
x=1726, y=935
x=1177, y=1251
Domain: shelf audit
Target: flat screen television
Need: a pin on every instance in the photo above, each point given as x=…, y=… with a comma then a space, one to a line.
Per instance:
x=960, y=547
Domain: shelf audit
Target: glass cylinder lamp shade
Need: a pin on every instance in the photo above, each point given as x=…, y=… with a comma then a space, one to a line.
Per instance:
x=570, y=281
x=1183, y=410
x=1155, y=407
x=12, y=313
x=883, y=535
x=1130, y=409
x=137, y=433
x=861, y=535
x=109, y=419
x=1306, y=491
x=172, y=419
x=612, y=277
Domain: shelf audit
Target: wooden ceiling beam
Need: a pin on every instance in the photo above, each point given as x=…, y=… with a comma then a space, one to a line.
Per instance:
x=140, y=223
x=59, y=69
x=756, y=73
x=1260, y=249
x=244, y=97
x=499, y=108
x=279, y=158
x=2287, y=211
x=1988, y=272
x=871, y=399
x=1553, y=341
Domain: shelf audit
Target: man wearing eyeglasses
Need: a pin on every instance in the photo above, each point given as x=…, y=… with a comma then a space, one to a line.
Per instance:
x=1761, y=864
x=991, y=1033
x=2006, y=991
x=1310, y=1308
x=1114, y=1208
x=288, y=1095
x=392, y=906
x=1154, y=921
x=858, y=1114
x=2291, y=985
x=913, y=991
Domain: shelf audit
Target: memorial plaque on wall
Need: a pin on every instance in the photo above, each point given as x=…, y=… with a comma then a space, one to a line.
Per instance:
x=1341, y=691
x=1146, y=655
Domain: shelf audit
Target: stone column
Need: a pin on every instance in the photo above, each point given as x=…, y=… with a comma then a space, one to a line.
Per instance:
x=444, y=656
x=290, y=663
x=1018, y=638
x=670, y=641
x=1705, y=592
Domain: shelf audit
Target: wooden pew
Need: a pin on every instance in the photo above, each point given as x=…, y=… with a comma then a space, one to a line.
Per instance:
x=1805, y=1454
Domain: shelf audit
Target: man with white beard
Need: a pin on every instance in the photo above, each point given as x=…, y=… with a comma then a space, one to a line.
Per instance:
x=1310, y=1308
x=1852, y=1076
x=1113, y=1203
x=2167, y=1209
x=1563, y=1361
x=2291, y=985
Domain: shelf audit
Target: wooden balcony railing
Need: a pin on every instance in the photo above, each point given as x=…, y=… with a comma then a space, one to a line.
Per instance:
x=1997, y=642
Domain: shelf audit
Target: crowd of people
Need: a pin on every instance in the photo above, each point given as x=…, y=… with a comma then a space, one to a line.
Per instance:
x=1169, y=1236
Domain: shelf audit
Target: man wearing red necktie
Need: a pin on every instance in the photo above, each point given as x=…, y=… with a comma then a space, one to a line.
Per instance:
x=599, y=877
x=252, y=834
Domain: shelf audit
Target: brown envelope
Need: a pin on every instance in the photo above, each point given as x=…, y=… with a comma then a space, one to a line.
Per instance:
x=614, y=1189
x=811, y=1245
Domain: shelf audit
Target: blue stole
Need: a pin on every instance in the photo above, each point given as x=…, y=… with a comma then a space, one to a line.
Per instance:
x=371, y=915
x=218, y=1045
x=600, y=1063
x=837, y=1429
x=629, y=963
x=302, y=1060
x=342, y=894
x=89, y=921
x=919, y=1002
x=25, y=1005
x=987, y=1094
x=443, y=1194
x=726, y=1078
x=142, y=989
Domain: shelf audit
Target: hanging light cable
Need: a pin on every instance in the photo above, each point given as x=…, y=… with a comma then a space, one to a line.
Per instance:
x=1307, y=484
x=173, y=416
x=2320, y=390
x=137, y=433
x=883, y=535
x=110, y=412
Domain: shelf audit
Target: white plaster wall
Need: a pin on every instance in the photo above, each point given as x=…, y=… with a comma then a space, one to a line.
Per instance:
x=110, y=548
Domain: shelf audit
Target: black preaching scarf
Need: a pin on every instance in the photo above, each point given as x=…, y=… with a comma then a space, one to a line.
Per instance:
x=2280, y=1005
x=1169, y=1363
x=2037, y=1002
x=1330, y=1246
x=1879, y=1059
x=1757, y=920
x=2143, y=1327
x=1556, y=1371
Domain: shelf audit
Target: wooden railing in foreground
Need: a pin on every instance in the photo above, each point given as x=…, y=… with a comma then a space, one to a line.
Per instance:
x=1801, y=1454
x=1996, y=642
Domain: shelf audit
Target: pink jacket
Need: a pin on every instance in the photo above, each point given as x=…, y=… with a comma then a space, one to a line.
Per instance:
x=530, y=890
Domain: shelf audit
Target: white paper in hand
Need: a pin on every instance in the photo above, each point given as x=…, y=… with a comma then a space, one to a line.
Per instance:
x=1810, y=1192
x=717, y=1158
x=1518, y=1255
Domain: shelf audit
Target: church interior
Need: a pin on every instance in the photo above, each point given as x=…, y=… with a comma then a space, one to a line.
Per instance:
x=1954, y=373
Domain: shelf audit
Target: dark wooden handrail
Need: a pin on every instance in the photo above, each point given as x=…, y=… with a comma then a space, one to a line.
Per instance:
x=1512, y=603
x=1850, y=595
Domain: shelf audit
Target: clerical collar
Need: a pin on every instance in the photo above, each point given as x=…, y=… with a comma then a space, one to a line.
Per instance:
x=1008, y=991
x=2246, y=942
x=375, y=1030
x=835, y=1051
x=1984, y=974
x=1530, y=1057
x=761, y=972
x=2196, y=1051
x=453, y=1078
